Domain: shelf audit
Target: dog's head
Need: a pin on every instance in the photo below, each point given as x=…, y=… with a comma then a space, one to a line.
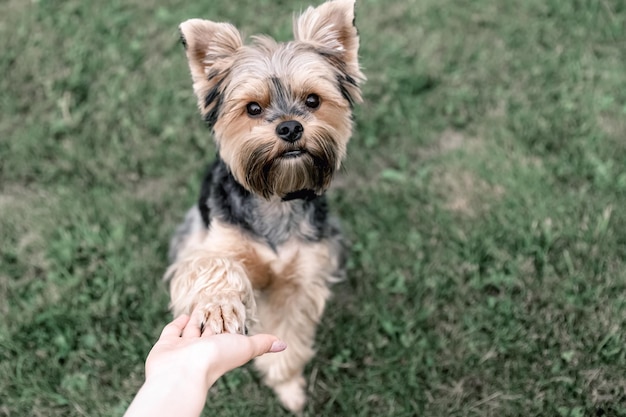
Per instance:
x=281, y=113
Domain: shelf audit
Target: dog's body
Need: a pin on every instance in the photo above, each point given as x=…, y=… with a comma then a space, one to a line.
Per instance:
x=259, y=249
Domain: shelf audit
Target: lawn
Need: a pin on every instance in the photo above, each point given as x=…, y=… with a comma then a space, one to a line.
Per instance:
x=484, y=196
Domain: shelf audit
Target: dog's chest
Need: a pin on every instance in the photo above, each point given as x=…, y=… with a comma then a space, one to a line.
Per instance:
x=283, y=225
x=294, y=260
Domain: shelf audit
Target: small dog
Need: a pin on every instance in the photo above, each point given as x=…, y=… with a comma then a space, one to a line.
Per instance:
x=260, y=249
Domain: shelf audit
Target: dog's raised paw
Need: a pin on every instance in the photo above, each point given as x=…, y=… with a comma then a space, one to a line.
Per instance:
x=226, y=316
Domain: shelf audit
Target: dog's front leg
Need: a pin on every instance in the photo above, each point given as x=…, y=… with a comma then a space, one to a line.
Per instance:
x=216, y=286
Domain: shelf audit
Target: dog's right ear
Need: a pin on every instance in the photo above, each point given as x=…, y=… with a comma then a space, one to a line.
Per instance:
x=210, y=48
x=330, y=28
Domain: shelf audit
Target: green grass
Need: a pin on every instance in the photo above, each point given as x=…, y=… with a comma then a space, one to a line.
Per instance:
x=484, y=196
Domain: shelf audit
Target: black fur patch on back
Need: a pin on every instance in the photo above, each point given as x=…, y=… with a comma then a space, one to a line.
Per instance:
x=230, y=200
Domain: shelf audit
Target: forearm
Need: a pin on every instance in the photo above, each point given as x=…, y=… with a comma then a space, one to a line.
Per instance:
x=163, y=397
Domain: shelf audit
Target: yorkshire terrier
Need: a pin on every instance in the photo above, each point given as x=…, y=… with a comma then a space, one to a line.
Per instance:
x=259, y=250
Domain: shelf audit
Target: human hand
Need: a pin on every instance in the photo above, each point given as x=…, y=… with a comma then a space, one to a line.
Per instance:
x=203, y=358
x=183, y=364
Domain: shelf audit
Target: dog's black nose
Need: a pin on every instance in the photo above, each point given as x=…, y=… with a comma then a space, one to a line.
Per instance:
x=291, y=130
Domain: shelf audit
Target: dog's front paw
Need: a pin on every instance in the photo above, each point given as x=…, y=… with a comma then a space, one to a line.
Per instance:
x=227, y=315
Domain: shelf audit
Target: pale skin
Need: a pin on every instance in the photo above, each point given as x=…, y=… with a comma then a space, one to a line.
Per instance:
x=183, y=364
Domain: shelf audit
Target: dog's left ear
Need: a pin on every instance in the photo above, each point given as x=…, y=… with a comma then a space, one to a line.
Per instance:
x=331, y=30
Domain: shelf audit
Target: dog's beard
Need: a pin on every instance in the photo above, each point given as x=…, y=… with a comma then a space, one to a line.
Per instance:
x=280, y=170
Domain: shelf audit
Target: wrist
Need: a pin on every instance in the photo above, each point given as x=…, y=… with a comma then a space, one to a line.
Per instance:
x=178, y=379
x=173, y=393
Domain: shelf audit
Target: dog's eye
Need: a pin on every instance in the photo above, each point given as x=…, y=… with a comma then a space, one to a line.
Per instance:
x=253, y=108
x=312, y=101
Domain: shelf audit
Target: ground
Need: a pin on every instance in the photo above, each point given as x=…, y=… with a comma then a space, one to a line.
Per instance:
x=483, y=196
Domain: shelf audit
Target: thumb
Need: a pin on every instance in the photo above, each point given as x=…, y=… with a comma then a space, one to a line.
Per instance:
x=236, y=350
x=265, y=343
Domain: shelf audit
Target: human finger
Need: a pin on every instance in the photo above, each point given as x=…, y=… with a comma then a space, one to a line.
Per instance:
x=192, y=329
x=175, y=327
x=206, y=330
